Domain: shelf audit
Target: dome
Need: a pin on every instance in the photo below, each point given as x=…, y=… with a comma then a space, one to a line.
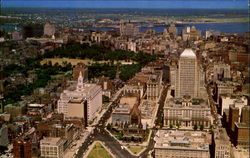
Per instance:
x=188, y=53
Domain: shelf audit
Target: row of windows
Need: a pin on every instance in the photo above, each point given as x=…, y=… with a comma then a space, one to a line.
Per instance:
x=48, y=148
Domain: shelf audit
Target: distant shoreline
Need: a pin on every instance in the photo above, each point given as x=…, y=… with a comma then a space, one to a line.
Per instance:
x=215, y=22
x=15, y=7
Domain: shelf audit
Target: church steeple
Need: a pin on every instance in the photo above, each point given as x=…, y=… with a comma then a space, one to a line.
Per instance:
x=80, y=82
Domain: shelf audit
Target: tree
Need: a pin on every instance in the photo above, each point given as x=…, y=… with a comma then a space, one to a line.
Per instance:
x=126, y=125
x=171, y=126
x=201, y=127
x=32, y=30
x=195, y=127
x=211, y=127
x=109, y=126
x=178, y=125
x=116, y=124
x=105, y=99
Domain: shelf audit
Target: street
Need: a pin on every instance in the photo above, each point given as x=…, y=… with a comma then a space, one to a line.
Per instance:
x=99, y=133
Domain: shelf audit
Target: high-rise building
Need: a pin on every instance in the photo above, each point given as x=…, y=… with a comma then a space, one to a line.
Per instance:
x=189, y=78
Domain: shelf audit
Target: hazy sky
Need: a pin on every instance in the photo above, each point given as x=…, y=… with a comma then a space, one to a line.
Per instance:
x=127, y=3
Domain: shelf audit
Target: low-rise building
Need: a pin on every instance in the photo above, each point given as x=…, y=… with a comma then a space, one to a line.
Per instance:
x=182, y=144
x=191, y=33
x=221, y=71
x=153, y=87
x=187, y=112
x=223, y=88
x=52, y=147
x=22, y=148
x=134, y=89
x=92, y=93
x=127, y=111
x=227, y=99
x=241, y=135
x=221, y=143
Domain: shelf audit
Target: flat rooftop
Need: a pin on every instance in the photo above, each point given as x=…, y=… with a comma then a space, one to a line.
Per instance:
x=182, y=140
x=51, y=141
x=178, y=103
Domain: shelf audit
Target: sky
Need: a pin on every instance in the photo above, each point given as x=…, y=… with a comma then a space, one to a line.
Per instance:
x=213, y=4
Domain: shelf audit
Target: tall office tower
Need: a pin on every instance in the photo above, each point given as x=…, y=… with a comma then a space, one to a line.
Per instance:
x=187, y=76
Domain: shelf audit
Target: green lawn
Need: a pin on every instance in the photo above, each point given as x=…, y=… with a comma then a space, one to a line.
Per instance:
x=135, y=149
x=99, y=152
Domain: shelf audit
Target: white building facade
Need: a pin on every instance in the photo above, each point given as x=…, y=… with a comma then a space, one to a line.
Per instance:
x=92, y=93
x=189, y=77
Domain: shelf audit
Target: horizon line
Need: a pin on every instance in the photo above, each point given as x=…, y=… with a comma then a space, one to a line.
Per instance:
x=34, y=7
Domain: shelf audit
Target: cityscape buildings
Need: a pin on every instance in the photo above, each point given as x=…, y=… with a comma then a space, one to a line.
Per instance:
x=141, y=82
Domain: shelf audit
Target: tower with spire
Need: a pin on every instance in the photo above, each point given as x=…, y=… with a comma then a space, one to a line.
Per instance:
x=79, y=87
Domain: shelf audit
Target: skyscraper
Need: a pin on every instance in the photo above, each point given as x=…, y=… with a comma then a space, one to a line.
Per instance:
x=187, y=75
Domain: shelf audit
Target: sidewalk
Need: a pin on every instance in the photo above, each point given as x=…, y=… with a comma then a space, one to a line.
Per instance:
x=99, y=115
x=143, y=144
x=157, y=108
x=70, y=152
